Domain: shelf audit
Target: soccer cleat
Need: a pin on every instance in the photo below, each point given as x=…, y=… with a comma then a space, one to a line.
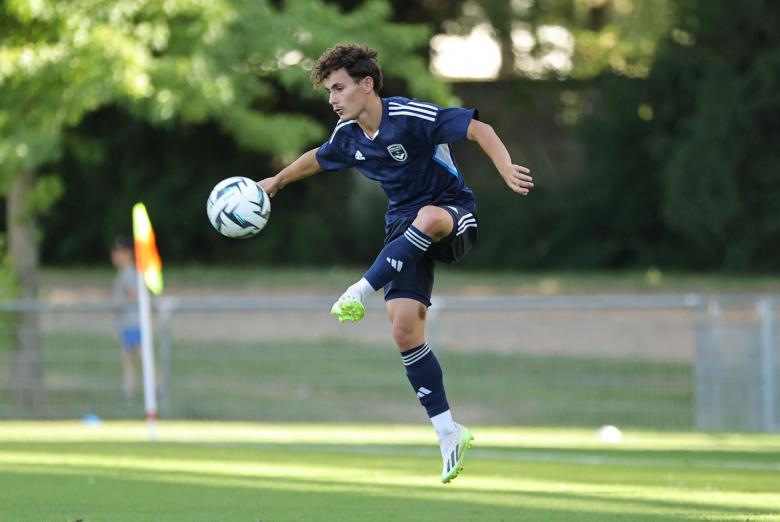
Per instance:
x=455, y=453
x=348, y=308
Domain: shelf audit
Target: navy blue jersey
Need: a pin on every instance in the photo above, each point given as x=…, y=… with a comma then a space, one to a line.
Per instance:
x=410, y=157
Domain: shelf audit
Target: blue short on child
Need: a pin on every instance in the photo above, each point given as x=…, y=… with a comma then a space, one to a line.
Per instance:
x=131, y=338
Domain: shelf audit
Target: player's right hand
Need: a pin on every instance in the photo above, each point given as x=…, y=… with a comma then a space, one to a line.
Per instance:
x=270, y=185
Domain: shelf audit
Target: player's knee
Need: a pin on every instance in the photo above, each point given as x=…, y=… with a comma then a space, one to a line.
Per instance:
x=434, y=222
x=401, y=334
x=405, y=336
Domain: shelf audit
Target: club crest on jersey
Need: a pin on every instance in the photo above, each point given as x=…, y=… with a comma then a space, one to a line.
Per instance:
x=398, y=152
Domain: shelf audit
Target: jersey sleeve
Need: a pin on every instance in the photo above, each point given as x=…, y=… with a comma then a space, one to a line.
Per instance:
x=331, y=156
x=452, y=124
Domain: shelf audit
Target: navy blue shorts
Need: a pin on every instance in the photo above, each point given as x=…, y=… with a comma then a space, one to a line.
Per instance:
x=416, y=282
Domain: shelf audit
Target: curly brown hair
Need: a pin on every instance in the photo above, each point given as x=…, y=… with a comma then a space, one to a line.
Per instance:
x=358, y=60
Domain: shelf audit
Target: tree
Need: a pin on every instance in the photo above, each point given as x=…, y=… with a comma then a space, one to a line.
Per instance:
x=594, y=36
x=714, y=95
x=188, y=61
x=688, y=157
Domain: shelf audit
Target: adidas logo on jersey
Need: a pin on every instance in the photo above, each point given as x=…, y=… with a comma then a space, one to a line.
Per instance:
x=359, y=156
x=422, y=392
x=398, y=265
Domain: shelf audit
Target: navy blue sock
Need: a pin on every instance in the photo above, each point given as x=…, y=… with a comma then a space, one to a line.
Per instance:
x=401, y=251
x=424, y=372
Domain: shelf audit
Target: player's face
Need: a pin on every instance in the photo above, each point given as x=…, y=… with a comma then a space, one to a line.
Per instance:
x=121, y=257
x=347, y=98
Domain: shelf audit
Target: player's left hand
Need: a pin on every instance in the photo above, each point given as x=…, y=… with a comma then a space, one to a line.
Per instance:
x=517, y=179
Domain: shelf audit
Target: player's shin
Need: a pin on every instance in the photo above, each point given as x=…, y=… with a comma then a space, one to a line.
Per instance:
x=427, y=380
x=397, y=254
x=401, y=252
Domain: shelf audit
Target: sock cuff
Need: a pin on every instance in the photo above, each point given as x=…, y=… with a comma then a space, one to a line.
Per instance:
x=417, y=238
x=410, y=357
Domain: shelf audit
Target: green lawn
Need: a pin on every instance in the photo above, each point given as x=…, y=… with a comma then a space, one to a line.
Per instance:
x=276, y=472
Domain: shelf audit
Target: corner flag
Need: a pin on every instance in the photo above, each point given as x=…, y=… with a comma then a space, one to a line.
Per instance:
x=149, y=267
x=147, y=260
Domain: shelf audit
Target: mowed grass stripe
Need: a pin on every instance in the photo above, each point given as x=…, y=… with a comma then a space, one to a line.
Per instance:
x=326, y=472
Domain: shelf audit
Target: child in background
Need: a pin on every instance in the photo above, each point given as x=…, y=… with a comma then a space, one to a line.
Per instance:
x=127, y=321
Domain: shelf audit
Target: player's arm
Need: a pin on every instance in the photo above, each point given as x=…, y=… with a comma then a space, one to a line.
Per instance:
x=515, y=176
x=303, y=167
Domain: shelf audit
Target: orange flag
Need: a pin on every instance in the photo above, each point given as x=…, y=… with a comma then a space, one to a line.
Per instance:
x=147, y=259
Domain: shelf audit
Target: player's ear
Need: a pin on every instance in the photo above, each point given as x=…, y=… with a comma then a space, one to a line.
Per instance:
x=368, y=84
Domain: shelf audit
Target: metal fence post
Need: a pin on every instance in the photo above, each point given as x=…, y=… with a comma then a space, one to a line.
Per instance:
x=768, y=372
x=432, y=327
x=165, y=308
x=708, y=368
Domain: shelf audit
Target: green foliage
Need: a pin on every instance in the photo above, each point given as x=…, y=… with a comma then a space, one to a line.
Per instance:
x=719, y=154
x=194, y=60
x=235, y=68
x=598, y=37
x=680, y=168
x=694, y=148
x=622, y=40
x=610, y=215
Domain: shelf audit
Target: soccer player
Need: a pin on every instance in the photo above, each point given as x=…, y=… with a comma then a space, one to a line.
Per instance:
x=404, y=144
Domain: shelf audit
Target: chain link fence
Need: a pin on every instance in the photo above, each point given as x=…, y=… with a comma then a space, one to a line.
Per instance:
x=661, y=362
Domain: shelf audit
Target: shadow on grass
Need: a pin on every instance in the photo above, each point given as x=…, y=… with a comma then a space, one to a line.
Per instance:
x=140, y=485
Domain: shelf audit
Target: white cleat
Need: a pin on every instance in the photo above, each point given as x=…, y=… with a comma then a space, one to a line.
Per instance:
x=455, y=452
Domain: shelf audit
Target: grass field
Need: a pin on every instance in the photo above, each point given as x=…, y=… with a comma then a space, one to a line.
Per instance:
x=287, y=470
x=279, y=472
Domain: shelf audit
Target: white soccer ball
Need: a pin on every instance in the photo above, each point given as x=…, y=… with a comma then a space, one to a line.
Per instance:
x=238, y=207
x=610, y=434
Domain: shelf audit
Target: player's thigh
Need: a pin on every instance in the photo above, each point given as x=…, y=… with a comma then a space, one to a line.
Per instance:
x=408, y=318
x=129, y=356
x=414, y=282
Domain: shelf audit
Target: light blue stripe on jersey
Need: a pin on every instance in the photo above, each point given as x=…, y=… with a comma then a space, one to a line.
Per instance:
x=443, y=156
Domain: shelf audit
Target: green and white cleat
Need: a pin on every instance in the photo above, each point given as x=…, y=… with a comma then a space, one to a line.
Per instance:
x=455, y=453
x=348, y=308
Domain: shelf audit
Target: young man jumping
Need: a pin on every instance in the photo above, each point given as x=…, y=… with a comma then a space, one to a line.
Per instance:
x=404, y=144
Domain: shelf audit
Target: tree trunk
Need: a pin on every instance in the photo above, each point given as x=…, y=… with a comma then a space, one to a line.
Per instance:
x=499, y=13
x=507, y=69
x=27, y=367
x=598, y=15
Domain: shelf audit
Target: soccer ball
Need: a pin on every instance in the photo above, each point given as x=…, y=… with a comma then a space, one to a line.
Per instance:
x=238, y=207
